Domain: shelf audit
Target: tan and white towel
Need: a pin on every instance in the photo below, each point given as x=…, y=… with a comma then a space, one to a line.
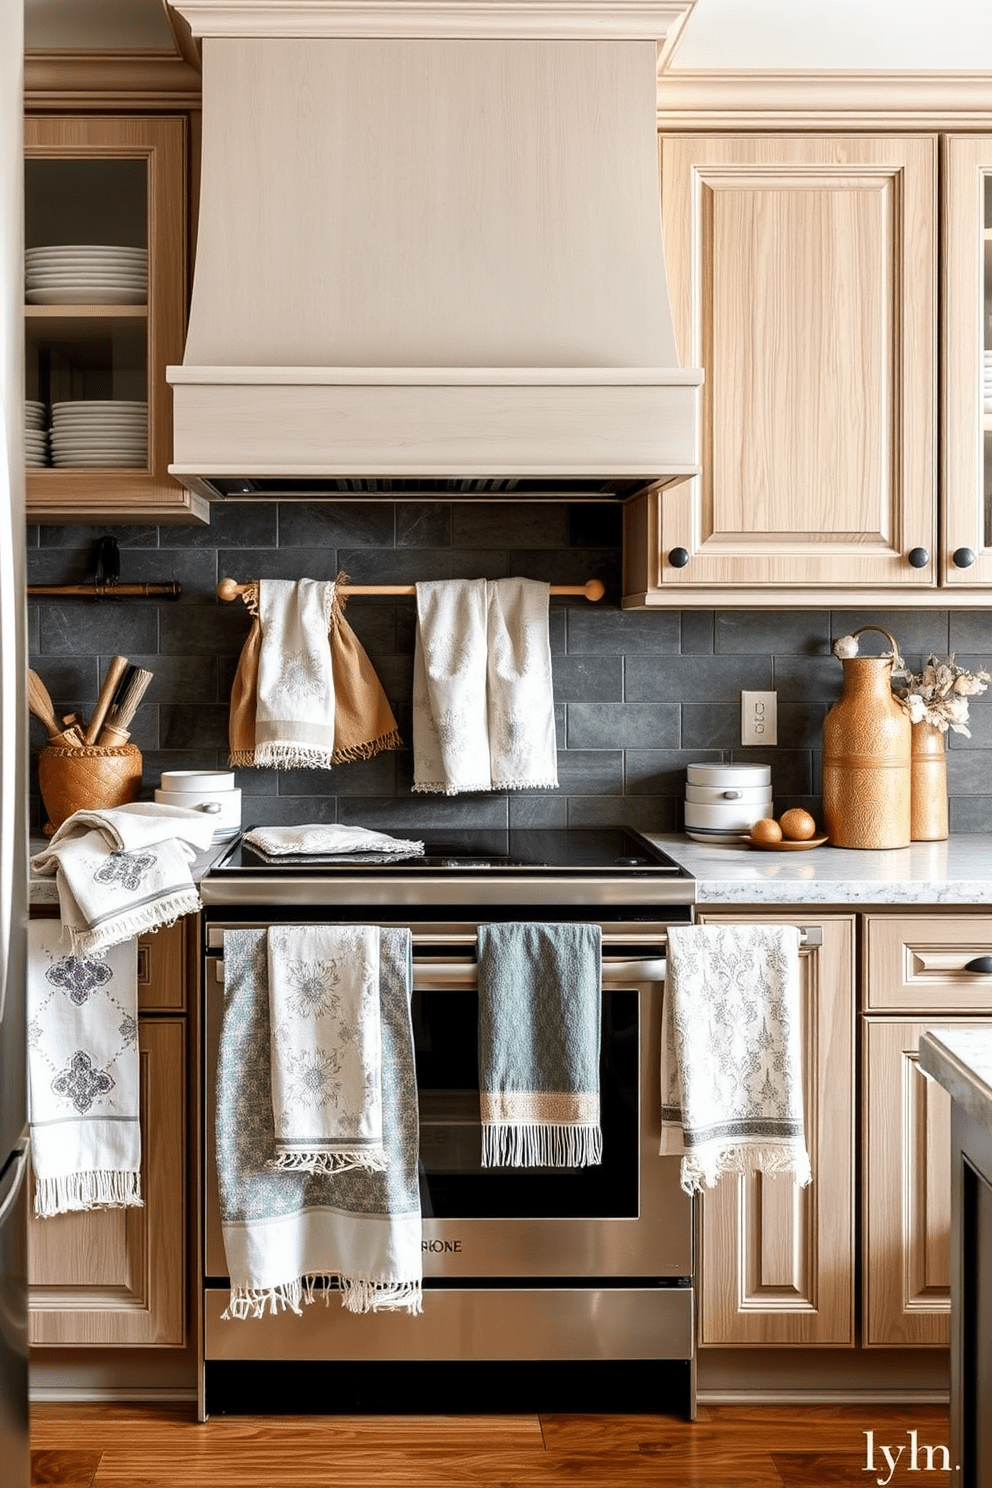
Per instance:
x=483, y=708
x=305, y=694
x=124, y=871
x=731, y=1053
x=326, y=1047
x=82, y=1075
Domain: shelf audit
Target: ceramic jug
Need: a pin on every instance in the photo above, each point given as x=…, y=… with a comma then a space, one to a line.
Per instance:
x=866, y=757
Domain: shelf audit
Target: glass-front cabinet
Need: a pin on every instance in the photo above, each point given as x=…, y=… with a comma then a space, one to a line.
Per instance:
x=967, y=360
x=104, y=312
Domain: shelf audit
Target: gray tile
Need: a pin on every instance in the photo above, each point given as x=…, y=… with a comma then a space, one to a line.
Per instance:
x=792, y=769
x=969, y=771
x=244, y=564
x=33, y=630
x=587, y=772
x=595, y=524
x=238, y=524
x=292, y=811
x=800, y=725
x=85, y=538
x=569, y=566
x=588, y=679
x=423, y=813
x=482, y=563
x=91, y=628
x=423, y=524
x=786, y=632
x=697, y=632
x=970, y=814
x=916, y=631
x=396, y=565
x=194, y=630
x=601, y=630
x=695, y=678
x=643, y=813
x=374, y=777
x=815, y=678
x=75, y=677
x=710, y=726
x=193, y=726
x=337, y=524
x=661, y=772
x=374, y=624
x=545, y=810
x=980, y=725
x=255, y=784
x=623, y=725
x=502, y=525
x=971, y=631
x=32, y=534
x=195, y=570
x=191, y=679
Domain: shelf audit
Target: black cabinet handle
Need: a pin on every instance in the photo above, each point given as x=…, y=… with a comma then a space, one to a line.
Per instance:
x=919, y=557
x=962, y=557
x=981, y=964
x=679, y=557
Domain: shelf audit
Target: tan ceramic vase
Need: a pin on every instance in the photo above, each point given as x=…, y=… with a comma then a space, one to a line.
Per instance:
x=929, y=784
x=866, y=758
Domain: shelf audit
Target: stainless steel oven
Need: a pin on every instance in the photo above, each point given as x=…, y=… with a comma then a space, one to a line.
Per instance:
x=590, y=1270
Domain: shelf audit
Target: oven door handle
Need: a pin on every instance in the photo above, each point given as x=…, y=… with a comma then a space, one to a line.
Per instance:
x=465, y=973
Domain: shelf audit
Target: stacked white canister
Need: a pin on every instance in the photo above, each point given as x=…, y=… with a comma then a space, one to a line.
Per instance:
x=210, y=791
x=723, y=802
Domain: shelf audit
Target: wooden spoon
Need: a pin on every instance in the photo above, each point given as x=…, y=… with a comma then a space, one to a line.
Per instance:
x=41, y=705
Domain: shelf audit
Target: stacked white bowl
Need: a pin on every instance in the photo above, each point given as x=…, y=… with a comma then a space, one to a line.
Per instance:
x=210, y=791
x=35, y=433
x=722, y=802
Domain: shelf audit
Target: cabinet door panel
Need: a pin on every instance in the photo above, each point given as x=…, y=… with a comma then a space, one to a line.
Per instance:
x=117, y=1276
x=920, y=964
x=778, y=1261
x=803, y=276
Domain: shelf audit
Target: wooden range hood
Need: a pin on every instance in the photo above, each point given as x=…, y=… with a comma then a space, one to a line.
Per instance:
x=429, y=255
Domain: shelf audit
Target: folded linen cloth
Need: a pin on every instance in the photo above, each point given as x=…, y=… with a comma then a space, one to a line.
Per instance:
x=540, y=1018
x=82, y=1075
x=326, y=1047
x=124, y=871
x=305, y=692
x=285, y=1231
x=316, y=839
x=483, y=709
x=731, y=1054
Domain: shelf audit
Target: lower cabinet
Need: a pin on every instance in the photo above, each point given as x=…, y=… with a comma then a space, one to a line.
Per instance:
x=117, y=1277
x=777, y=1262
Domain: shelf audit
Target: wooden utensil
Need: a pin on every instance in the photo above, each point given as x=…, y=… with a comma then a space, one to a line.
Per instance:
x=41, y=705
x=124, y=707
x=118, y=666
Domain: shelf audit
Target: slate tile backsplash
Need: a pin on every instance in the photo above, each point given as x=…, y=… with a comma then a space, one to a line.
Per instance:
x=639, y=695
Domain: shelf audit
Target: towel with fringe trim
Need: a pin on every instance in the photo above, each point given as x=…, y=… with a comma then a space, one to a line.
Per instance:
x=124, y=871
x=288, y=1235
x=540, y=1016
x=483, y=708
x=731, y=1054
x=319, y=839
x=326, y=1047
x=305, y=692
x=82, y=1075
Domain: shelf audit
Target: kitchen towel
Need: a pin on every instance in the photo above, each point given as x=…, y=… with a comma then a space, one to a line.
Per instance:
x=326, y=1047
x=330, y=840
x=731, y=1053
x=305, y=693
x=286, y=1231
x=540, y=1017
x=483, y=709
x=82, y=1075
x=124, y=871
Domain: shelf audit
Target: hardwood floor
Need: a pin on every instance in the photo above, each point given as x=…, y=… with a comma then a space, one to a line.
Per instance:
x=729, y=1446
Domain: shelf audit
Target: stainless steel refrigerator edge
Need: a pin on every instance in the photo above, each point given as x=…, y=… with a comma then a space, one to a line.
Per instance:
x=14, y=1448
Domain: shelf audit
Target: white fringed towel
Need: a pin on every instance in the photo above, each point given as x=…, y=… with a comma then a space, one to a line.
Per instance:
x=319, y=840
x=326, y=1047
x=731, y=1053
x=124, y=871
x=83, y=1075
x=483, y=708
x=294, y=713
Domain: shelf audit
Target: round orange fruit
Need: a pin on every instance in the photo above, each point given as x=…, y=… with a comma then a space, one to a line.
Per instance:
x=797, y=825
x=766, y=830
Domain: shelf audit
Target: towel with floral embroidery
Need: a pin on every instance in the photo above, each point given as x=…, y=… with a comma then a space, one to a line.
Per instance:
x=124, y=871
x=82, y=1075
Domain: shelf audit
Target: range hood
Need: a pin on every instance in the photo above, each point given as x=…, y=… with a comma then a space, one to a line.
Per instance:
x=429, y=254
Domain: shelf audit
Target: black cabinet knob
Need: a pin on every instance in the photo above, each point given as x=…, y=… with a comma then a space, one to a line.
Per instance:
x=919, y=557
x=981, y=964
x=962, y=557
x=679, y=557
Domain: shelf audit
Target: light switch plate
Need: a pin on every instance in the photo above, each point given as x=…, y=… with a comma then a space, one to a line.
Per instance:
x=759, y=717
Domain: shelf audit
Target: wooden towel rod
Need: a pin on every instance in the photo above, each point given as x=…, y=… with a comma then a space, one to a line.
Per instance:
x=593, y=589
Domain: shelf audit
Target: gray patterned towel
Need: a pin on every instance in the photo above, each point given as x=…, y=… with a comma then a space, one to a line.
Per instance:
x=285, y=1231
x=731, y=1053
x=83, y=1075
x=539, y=1036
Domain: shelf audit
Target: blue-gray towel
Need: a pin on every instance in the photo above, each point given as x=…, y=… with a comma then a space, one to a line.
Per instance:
x=539, y=1037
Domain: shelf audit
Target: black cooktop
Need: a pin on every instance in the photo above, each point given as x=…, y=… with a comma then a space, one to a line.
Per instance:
x=488, y=853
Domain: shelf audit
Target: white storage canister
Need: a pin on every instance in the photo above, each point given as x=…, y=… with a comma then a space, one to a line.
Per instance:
x=724, y=801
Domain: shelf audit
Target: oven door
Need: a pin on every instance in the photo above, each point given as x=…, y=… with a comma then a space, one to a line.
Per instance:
x=625, y=1218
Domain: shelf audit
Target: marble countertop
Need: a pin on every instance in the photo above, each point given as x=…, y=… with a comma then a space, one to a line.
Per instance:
x=958, y=871
x=960, y=1059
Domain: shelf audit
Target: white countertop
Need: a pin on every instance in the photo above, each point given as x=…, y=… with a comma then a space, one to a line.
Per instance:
x=958, y=871
x=960, y=1059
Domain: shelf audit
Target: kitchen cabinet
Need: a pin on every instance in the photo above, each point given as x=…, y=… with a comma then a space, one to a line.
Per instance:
x=118, y=1277
x=920, y=972
x=803, y=271
x=777, y=1261
x=106, y=180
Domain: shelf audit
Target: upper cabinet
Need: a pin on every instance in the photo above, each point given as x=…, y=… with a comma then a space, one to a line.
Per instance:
x=105, y=310
x=803, y=273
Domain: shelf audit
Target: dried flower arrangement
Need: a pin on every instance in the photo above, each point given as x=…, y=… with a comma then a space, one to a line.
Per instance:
x=937, y=695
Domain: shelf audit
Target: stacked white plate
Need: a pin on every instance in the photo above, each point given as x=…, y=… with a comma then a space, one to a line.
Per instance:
x=100, y=431
x=35, y=433
x=86, y=274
